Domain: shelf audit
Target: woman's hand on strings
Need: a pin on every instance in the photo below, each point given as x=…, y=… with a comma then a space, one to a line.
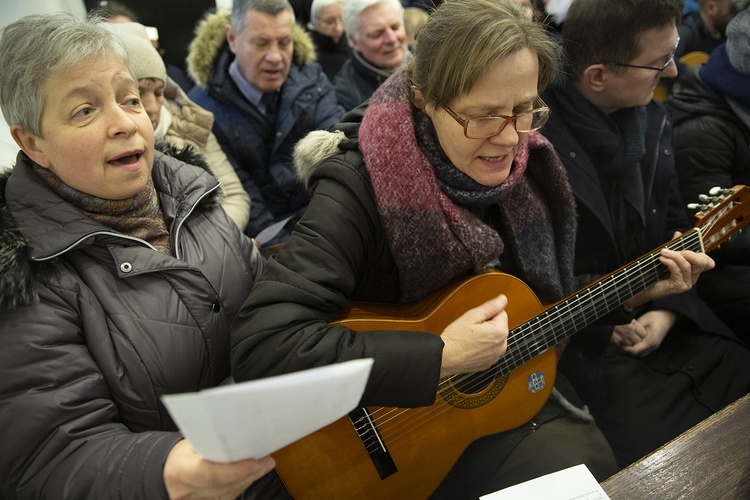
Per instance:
x=477, y=339
x=685, y=266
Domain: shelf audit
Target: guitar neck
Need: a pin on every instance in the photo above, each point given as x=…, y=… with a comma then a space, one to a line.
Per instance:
x=589, y=304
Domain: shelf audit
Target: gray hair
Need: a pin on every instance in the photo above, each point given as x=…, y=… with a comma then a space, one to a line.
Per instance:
x=319, y=5
x=271, y=7
x=353, y=8
x=33, y=48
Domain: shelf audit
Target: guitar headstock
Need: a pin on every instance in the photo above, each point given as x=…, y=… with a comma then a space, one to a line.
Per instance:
x=721, y=213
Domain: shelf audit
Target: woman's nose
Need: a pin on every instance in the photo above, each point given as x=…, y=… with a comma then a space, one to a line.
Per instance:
x=508, y=135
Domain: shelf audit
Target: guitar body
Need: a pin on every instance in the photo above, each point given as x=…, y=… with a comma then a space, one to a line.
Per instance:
x=389, y=453
x=424, y=443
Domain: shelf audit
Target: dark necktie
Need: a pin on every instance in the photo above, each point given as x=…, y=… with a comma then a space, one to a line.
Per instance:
x=271, y=102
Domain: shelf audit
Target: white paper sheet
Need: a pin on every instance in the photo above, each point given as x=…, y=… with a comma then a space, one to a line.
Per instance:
x=271, y=231
x=253, y=419
x=574, y=483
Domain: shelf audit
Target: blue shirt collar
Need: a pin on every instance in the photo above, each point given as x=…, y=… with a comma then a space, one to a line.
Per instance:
x=246, y=88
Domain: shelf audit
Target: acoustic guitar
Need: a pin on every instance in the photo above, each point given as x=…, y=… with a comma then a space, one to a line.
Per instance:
x=389, y=453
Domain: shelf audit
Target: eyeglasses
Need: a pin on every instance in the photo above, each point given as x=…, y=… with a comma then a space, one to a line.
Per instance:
x=655, y=68
x=482, y=127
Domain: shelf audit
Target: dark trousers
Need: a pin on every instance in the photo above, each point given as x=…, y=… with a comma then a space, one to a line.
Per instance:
x=553, y=440
x=727, y=290
x=642, y=403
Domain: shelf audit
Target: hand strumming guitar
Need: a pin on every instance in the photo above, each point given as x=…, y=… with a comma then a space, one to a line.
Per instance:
x=477, y=339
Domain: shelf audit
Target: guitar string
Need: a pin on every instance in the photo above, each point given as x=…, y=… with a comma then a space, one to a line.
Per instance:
x=424, y=415
x=608, y=296
x=511, y=354
x=435, y=411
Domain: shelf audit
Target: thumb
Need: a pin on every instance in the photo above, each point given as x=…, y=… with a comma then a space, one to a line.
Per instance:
x=488, y=310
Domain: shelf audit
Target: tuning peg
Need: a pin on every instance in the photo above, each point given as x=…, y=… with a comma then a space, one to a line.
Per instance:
x=715, y=191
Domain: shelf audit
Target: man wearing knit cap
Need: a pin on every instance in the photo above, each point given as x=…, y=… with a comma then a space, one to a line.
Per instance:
x=710, y=109
x=665, y=366
x=177, y=119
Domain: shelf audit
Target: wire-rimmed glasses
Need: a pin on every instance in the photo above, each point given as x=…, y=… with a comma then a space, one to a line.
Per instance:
x=655, y=68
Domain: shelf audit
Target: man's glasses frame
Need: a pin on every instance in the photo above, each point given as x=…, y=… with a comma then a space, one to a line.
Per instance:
x=654, y=68
x=503, y=120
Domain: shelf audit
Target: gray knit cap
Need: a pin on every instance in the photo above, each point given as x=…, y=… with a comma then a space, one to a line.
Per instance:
x=144, y=59
x=738, y=42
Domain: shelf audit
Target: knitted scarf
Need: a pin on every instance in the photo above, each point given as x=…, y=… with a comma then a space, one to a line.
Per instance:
x=433, y=237
x=616, y=145
x=139, y=216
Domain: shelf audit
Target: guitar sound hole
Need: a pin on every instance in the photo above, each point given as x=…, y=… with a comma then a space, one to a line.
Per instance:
x=472, y=390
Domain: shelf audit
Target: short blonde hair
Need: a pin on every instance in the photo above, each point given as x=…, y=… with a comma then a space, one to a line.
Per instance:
x=462, y=38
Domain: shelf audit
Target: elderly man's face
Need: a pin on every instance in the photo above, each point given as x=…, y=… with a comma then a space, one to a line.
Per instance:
x=328, y=21
x=264, y=48
x=96, y=136
x=382, y=37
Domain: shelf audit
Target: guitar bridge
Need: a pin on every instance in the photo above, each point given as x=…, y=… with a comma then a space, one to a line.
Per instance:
x=373, y=442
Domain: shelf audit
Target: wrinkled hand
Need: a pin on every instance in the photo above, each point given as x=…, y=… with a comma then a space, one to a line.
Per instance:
x=476, y=340
x=684, y=267
x=644, y=335
x=188, y=475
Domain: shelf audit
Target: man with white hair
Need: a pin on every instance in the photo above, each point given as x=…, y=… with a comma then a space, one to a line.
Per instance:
x=376, y=33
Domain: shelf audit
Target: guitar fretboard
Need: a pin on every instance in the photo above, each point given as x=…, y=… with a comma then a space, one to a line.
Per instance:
x=588, y=305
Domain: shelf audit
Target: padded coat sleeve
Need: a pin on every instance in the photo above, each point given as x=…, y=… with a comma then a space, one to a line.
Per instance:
x=57, y=419
x=284, y=324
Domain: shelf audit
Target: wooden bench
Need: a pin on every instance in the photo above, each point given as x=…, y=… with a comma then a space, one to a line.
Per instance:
x=708, y=461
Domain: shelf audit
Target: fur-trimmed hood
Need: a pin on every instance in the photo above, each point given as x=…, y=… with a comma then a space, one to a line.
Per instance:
x=319, y=145
x=19, y=274
x=210, y=40
x=314, y=149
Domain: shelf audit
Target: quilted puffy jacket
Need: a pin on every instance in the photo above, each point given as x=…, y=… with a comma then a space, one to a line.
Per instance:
x=96, y=326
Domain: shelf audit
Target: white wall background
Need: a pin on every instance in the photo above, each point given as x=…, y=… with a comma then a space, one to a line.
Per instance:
x=11, y=10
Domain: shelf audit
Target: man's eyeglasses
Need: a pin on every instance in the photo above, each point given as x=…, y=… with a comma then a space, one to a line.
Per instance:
x=655, y=68
x=482, y=127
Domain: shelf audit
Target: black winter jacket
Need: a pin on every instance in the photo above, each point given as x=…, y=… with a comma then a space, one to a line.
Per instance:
x=597, y=251
x=356, y=81
x=320, y=280
x=712, y=145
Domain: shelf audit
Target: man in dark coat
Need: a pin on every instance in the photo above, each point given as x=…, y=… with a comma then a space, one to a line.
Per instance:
x=710, y=107
x=705, y=29
x=674, y=363
x=256, y=72
x=375, y=29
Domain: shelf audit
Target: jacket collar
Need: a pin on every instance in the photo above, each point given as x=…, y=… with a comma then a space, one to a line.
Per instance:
x=210, y=41
x=62, y=227
x=36, y=226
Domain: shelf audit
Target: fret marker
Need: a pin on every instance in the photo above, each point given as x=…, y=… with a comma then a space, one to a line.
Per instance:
x=536, y=382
